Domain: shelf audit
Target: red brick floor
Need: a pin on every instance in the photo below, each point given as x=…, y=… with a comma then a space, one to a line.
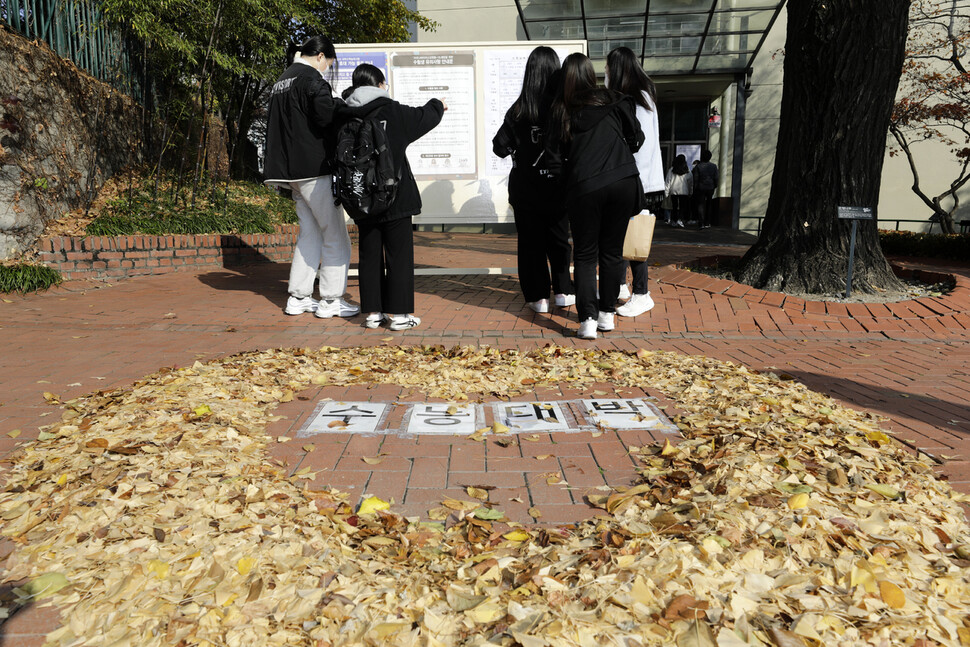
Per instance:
x=909, y=362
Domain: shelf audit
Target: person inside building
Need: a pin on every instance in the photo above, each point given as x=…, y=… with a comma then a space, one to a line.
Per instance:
x=592, y=138
x=625, y=75
x=386, y=240
x=537, y=200
x=680, y=186
x=299, y=156
x=705, y=184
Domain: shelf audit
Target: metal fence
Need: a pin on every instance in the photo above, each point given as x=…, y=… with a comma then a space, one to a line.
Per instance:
x=75, y=31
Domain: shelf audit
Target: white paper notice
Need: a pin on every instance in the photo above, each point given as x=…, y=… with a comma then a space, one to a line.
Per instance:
x=504, y=71
x=448, y=151
x=625, y=414
x=530, y=416
x=442, y=418
x=346, y=418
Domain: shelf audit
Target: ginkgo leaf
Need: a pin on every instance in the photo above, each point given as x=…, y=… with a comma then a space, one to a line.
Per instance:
x=245, y=564
x=372, y=504
x=45, y=585
x=892, y=595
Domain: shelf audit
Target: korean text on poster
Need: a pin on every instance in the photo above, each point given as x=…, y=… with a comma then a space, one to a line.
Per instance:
x=448, y=151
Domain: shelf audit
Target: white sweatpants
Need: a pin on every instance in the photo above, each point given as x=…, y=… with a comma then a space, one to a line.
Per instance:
x=323, y=246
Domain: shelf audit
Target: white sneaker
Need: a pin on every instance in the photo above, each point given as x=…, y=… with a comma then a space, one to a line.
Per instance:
x=404, y=322
x=587, y=329
x=542, y=305
x=375, y=319
x=605, y=321
x=637, y=305
x=297, y=306
x=679, y=223
x=624, y=291
x=565, y=300
x=336, y=308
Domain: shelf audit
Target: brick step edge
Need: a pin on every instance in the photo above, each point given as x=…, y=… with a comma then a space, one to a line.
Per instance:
x=957, y=302
x=118, y=257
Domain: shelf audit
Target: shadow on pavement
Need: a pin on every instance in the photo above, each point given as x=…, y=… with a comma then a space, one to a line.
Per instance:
x=899, y=405
x=259, y=275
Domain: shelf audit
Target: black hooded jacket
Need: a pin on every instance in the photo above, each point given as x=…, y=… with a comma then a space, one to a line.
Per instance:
x=403, y=125
x=600, y=149
x=299, y=135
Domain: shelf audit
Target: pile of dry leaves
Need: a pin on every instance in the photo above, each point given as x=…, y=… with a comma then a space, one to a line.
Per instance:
x=151, y=516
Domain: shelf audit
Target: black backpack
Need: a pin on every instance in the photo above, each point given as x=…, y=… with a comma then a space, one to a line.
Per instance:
x=364, y=179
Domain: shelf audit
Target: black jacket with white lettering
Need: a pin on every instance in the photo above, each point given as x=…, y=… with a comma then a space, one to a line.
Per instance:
x=403, y=125
x=299, y=134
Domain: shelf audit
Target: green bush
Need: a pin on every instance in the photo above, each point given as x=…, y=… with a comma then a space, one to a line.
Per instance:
x=249, y=209
x=25, y=277
x=909, y=243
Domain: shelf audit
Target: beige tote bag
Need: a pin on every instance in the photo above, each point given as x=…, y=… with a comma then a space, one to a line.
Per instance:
x=639, y=235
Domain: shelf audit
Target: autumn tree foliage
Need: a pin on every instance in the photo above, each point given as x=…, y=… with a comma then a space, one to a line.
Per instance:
x=934, y=102
x=204, y=58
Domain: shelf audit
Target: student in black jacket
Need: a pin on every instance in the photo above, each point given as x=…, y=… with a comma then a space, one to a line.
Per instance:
x=299, y=150
x=536, y=199
x=386, y=240
x=594, y=135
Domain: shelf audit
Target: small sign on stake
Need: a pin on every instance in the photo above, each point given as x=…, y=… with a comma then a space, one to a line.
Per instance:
x=855, y=214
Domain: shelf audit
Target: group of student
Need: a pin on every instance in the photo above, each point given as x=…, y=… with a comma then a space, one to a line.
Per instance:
x=586, y=159
x=691, y=191
x=302, y=124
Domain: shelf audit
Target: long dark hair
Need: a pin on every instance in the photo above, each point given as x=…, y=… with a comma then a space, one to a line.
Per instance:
x=313, y=46
x=543, y=63
x=579, y=89
x=680, y=165
x=627, y=77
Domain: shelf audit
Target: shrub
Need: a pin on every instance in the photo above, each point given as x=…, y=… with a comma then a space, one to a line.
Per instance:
x=248, y=209
x=27, y=277
x=909, y=243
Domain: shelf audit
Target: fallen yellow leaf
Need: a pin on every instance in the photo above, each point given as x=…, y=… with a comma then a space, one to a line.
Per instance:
x=372, y=504
x=245, y=565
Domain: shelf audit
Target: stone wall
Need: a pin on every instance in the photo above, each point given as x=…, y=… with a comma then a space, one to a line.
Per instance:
x=59, y=128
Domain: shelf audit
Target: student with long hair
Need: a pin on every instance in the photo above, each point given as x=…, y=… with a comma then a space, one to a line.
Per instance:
x=680, y=186
x=591, y=145
x=386, y=240
x=299, y=156
x=537, y=201
x=625, y=75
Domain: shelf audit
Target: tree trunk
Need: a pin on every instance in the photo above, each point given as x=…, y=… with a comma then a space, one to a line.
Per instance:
x=843, y=60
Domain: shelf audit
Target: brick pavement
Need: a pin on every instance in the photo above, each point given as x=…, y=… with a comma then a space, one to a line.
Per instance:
x=909, y=362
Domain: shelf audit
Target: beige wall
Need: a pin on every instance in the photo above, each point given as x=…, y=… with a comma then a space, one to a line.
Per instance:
x=471, y=20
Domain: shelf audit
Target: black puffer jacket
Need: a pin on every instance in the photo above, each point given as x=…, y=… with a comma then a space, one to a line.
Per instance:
x=299, y=134
x=531, y=186
x=600, y=149
x=403, y=125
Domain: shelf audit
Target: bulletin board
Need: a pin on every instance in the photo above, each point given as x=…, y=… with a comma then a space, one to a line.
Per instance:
x=461, y=181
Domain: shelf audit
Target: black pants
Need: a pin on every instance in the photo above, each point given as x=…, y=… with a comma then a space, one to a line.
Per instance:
x=640, y=271
x=386, y=266
x=705, y=206
x=681, y=207
x=543, y=252
x=599, y=220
